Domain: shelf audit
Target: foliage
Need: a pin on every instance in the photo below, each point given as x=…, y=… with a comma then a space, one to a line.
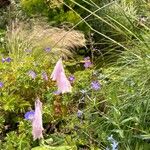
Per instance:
x=109, y=105
x=11, y=13
x=128, y=94
x=35, y=6
x=56, y=12
x=38, y=38
x=114, y=19
x=21, y=67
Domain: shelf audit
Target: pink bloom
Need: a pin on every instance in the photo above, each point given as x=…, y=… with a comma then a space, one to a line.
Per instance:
x=57, y=70
x=59, y=76
x=37, y=126
x=63, y=84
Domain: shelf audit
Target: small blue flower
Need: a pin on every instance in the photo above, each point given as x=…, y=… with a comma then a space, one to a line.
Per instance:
x=114, y=143
x=8, y=59
x=44, y=76
x=29, y=115
x=3, y=60
x=56, y=92
x=71, y=78
x=95, y=85
x=47, y=49
x=1, y=84
x=87, y=58
x=32, y=74
x=87, y=63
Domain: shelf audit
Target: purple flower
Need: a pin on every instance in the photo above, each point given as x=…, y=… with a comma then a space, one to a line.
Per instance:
x=29, y=115
x=47, y=49
x=8, y=59
x=56, y=92
x=3, y=60
x=87, y=58
x=87, y=62
x=1, y=84
x=32, y=74
x=44, y=76
x=71, y=78
x=95, y=85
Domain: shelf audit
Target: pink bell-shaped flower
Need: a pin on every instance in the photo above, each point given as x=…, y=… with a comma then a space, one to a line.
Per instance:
x=63, y=83
x=59, y=76
x=57, y=70
x=37, y=126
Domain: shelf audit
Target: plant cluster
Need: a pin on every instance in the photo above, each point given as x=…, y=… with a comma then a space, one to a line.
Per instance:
x=98, y=100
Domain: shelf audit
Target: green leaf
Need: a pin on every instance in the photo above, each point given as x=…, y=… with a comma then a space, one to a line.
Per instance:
x=54, y=148
x=135, y=119
x=145, y=137
x=120, y=132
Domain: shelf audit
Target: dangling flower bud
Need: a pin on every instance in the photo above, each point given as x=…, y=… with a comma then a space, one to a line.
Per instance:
x=57, y=70
x=37, y=126
x=59, y=76
x=63, y=84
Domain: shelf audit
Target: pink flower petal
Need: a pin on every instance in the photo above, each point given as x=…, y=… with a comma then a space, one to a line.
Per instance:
x=59, y=76
x=63, y=83
x=37, y=126
x=57, y=70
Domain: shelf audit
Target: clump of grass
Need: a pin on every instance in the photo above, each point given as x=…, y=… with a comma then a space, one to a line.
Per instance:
x=127, y=92
x=59, y=37
x=39, y=36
